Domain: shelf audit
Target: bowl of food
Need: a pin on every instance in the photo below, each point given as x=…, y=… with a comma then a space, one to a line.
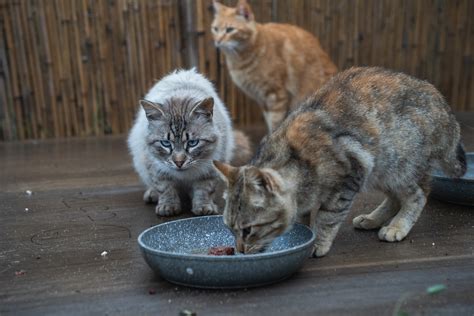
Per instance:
x=198, y=252
x=459, y=191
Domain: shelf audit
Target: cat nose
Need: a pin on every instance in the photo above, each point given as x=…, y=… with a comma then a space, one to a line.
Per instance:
x=179, y=163
x=219, y=40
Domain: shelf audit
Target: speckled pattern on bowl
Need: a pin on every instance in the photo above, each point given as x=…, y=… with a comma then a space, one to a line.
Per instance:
x=173, y=250
x=459, y=191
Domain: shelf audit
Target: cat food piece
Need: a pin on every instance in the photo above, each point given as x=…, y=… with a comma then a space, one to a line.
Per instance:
x=221, y=251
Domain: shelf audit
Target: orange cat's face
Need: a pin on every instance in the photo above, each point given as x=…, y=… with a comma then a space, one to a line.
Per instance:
x=232, y=28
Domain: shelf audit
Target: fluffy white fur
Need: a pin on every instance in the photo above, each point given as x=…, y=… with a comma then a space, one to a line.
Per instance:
x=180, y=83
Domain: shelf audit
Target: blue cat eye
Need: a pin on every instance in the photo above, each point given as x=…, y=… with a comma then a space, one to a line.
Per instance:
x=165, y=143
x=193, y=142
x=229, y=29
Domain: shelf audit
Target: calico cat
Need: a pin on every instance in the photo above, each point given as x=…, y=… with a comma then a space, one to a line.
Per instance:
x=182, y=126
x=274, y=64
x=365, y=128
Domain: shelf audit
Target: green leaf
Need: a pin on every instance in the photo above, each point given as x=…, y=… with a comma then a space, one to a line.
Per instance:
x=435, y=288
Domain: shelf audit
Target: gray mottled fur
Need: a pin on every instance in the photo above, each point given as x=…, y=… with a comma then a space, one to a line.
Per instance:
x=367, y=128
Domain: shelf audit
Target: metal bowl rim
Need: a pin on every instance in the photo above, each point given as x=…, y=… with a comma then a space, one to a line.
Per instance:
x=448, y=179
x=199, y=257
x=441, y=177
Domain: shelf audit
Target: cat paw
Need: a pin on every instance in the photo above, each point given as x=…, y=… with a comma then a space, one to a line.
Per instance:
x=167, y=209
x=150, y=196
x=391, y=233
x=364, y=222
x=205, y=209
x=320, y=251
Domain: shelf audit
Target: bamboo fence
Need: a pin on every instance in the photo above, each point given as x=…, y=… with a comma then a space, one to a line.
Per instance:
x=78, y=67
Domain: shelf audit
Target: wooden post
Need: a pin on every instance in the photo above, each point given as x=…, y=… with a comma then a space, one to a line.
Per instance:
x=189, y=9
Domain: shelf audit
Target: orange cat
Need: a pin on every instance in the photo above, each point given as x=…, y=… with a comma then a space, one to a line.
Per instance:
x=275, y=64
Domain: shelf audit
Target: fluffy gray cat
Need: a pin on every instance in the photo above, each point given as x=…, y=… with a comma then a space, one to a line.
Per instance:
x=181, y=127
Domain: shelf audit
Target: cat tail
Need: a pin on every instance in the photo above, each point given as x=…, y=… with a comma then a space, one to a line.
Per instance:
x=242, y=150
x=456, y=166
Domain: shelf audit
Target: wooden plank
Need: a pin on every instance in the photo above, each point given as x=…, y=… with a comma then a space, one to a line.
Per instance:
x=109, y=120
x=87, y=199
x=8, y=126
x=36, y=94
x=25, y=80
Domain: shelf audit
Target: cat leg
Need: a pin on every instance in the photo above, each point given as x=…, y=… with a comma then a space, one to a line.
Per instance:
x=331, y=215
x=413, y=201
x=326, y=226
x=273, y=119
x=203, y=202
x=150, y=196
x=169, y=203
x=276, y=110
x=333, y=212
x=385, y=211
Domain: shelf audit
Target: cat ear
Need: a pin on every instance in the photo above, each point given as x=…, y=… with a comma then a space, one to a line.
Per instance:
x=153, y=111
x=217, y=6
x=268, y=179
x=205, y=107
x=271, y=180
x=227, y=172
x=244, y=10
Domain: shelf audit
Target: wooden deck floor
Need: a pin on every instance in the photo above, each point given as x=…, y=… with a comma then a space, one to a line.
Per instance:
x=87, y=199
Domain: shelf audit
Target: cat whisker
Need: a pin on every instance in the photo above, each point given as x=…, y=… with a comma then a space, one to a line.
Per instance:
x=255, y=248
x=234, y=51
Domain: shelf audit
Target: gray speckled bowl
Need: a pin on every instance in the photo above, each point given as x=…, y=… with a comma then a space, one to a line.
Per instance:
x=177, y=250
x=459, y=191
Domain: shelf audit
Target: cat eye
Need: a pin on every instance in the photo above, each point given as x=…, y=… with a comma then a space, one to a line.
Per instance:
x=215, y=29
x=246, y=232
x=193, y=142
x=165, y=143
x=229, y=29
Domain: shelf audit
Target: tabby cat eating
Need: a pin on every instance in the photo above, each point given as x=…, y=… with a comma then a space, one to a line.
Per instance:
x=365, y=128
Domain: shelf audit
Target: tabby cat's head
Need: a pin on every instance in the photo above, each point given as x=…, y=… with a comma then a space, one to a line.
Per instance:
x=258, y=207
x=233, y=28
x=180, y=131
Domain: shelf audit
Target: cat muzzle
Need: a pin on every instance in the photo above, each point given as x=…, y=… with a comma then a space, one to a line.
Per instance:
x=250, y=249
x=239, y=245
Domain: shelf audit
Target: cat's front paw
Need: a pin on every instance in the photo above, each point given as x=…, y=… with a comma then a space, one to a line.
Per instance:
x=150, y=196
x=364, y=222
x=320, y=250
x=392, y=233
x=168, y=209
x=205, y=209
